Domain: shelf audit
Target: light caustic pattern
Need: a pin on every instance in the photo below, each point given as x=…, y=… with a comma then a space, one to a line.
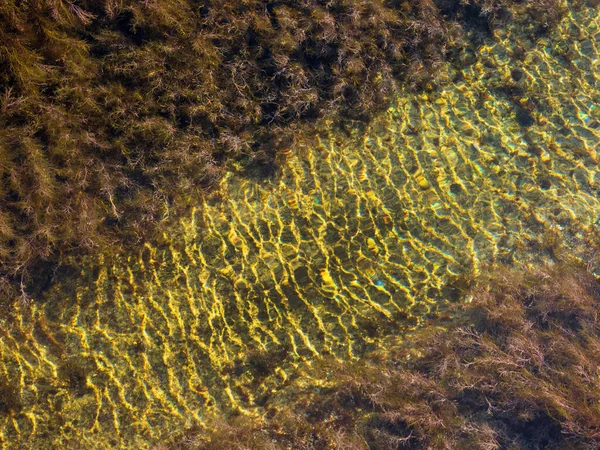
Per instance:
x=359, y=236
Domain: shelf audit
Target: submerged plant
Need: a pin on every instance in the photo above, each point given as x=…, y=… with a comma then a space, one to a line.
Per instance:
x=516, y=368
x=111, y=111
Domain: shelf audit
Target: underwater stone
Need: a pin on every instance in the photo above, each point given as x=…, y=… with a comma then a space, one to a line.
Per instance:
x=516, y=74
x=525, y=118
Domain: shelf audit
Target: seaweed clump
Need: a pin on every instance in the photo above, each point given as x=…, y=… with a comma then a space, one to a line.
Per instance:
x=112, y=112
x=518, y=368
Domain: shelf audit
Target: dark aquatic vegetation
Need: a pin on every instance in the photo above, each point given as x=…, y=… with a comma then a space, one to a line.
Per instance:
x=322, y=302
x=514, y=368
x=114, y=114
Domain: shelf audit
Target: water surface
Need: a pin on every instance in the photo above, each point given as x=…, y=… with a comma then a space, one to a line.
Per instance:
x=365, y=233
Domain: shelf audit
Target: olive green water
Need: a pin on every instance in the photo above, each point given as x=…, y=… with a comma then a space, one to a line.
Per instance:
x=364, y=233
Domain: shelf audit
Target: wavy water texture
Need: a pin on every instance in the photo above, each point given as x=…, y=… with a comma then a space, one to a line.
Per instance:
x=364, y=234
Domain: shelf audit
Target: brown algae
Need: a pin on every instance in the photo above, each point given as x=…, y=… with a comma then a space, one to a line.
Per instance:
x=358, y=238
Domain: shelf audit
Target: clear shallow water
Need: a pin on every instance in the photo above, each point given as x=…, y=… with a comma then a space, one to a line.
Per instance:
x=364, y=233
